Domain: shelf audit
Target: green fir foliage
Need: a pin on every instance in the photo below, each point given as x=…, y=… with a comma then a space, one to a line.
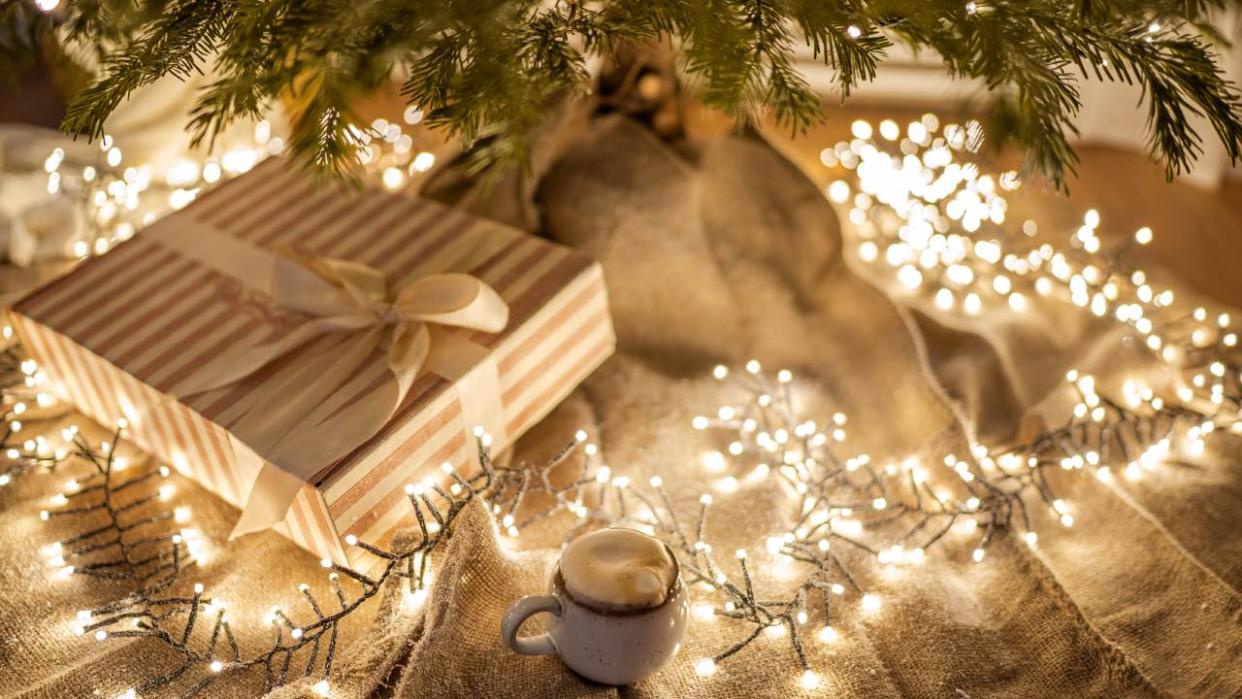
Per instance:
x=485, y=70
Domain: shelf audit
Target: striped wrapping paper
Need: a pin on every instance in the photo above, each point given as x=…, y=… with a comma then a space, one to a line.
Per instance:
x=118, y=332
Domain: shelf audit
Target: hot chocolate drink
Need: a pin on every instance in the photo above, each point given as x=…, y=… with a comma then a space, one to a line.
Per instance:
x=619, y=608
x=619, y=570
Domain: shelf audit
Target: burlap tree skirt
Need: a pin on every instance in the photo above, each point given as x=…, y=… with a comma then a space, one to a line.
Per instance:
x=715, y=252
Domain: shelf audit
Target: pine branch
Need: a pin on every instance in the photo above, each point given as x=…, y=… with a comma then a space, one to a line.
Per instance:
x=485, y=70
x=176, y=43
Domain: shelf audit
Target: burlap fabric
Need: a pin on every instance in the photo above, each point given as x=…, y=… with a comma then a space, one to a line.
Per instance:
x=716, y=252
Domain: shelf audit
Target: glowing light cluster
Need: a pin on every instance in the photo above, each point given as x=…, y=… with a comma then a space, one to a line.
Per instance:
x=940, y=224
x=120, y=198
x=389, y=154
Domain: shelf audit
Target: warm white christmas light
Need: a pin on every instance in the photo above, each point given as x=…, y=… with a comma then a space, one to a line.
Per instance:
x=705, y=667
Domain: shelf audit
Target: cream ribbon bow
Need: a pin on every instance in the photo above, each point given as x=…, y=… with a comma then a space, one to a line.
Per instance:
x=304, y=418
x=344, y=296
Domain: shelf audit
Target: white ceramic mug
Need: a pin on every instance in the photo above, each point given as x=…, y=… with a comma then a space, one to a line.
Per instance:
x=608, y=646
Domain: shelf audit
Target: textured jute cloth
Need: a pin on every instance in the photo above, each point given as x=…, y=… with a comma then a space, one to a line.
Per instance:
x=716, y=252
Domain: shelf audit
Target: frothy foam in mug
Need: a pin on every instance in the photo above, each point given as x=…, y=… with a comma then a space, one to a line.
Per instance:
x=618, y=569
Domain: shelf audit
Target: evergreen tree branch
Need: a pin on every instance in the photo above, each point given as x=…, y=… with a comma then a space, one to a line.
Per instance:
x=485, y=70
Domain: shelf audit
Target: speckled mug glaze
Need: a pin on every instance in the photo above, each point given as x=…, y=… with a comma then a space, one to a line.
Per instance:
x=612, y=647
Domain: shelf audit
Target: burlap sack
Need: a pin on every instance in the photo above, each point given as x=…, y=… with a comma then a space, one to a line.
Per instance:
x=716, y=252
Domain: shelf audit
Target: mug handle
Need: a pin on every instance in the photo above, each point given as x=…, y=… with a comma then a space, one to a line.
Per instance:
x=519, y=613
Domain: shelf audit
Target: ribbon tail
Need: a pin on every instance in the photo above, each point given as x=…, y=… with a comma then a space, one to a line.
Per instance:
x=271, y=495
x=475, y=379
x=328, y=425
x=231, y=367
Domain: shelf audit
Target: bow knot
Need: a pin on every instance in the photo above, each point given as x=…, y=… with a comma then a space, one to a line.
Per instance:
x=412, y=324
x=391, y=314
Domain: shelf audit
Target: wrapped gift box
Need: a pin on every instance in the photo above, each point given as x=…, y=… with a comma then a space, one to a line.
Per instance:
x=121, y=334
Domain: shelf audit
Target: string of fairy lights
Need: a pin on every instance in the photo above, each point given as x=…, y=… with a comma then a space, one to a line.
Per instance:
x=119, y=198
x=938, y=227
x=923, y=215
x=131, y=535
